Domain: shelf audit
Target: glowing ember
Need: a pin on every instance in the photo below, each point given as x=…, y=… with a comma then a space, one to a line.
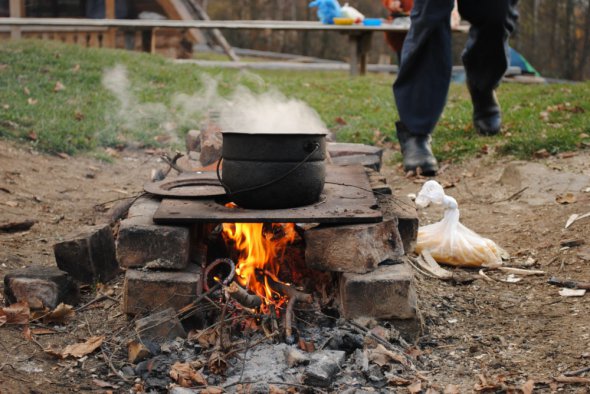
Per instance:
x=261, y=251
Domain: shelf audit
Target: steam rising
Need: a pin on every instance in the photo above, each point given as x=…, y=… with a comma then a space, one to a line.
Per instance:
x=240, y=111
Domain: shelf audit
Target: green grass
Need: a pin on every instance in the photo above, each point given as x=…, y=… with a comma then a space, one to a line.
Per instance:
x=86, y=116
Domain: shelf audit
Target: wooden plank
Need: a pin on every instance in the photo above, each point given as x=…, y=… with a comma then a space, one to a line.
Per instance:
x=176, y=9
x=108, y=39
x=16, y=11
x=200, y=24
x=347, y=198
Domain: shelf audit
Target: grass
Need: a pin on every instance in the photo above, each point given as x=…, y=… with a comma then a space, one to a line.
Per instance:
x=161, y=101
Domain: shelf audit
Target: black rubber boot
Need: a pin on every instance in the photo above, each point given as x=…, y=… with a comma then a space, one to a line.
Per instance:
x=416, y=151
x=486, y=111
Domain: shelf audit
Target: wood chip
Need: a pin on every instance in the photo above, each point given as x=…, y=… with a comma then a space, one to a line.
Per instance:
x=572, y=292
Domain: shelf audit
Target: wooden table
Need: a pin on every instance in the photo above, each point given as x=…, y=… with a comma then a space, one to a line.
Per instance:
x=359, y=35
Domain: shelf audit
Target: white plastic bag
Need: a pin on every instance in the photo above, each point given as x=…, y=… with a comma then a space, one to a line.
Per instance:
x=352, y=13
x=450, y=242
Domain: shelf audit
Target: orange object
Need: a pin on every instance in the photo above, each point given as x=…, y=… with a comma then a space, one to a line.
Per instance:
x=397, y=8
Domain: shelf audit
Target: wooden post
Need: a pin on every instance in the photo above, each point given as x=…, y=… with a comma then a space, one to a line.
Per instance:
x=17, y=10
x=109, y=37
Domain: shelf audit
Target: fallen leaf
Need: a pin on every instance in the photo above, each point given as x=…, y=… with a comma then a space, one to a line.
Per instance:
x=63, y=155
x=27, y=333
x=76, y=68
x=571, y=220
x=527, y=387
x=32, y=101
x=186, y=376
x=26, y=91
x=18, y=313
x=272, y=389
x=382, y=356
x=431, y=391
x=217, y=363
x=60, y=314
x=111, y=152
x=212, y=390
x=206, y=338
x=79, y=115
x=78, y=349
x=103, y=289
x=415, y=387
x=58, y=87
x=451, y=389
x=102, y=383
x=340, y=121
x=42, y=331
x=566, y=198
x=32, y=135
x=136, y=352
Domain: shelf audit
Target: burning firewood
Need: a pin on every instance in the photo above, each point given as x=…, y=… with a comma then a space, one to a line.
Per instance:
x=241, y=295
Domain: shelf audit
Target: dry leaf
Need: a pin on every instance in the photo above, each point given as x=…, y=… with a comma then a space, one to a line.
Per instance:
x=566, y=198
x=27, y=333
x=26, y=91
x=212, y=390
x=136, y=352
x=382, y=356
x=18, y=313
x=58, y=86
x=102, y=384
x=451, y=389
x=76, y=68
x=186, y=376
x=275, y=390
x=206, y=338
x=103, y=289
x=431, y=391
x=340, y=121
x=32, y=101
x=79, y=115
x=60, y=314
x=217, y=363
x=527, y=387
x=78, y=349
x=395, y=380
x=415, y=387
x=42, y=331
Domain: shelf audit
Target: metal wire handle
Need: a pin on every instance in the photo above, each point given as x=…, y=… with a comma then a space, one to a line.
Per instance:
x=316, y=147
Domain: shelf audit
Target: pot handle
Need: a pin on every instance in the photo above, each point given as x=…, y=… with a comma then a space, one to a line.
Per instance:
x=311, y=147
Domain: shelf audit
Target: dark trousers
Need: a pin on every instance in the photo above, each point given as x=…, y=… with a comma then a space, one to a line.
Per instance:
x=422, y=84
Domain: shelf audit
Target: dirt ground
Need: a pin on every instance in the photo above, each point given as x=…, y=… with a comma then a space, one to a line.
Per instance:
x=506, y=332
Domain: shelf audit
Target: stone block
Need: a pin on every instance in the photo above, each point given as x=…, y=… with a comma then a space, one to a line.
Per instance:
x=386, y=293
x=192, y=141
x=404, y=210
x=160, y=326
x=88, y=255
x=338, y=149
x=323, y=366
x=149, y=291
x=211, y=143
x=141, y=241
x=370, y=161
x=41, y=287
x=352, y=248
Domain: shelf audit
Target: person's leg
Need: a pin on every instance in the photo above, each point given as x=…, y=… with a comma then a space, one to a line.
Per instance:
x=422, y=84
x=486, y=56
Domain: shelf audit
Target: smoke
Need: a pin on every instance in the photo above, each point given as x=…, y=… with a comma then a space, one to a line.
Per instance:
x=242, y=110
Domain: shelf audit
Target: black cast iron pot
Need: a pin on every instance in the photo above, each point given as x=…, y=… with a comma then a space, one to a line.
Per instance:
x=273, y=171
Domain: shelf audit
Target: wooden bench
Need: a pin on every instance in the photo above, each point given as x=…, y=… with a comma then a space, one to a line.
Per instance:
x=359, y=35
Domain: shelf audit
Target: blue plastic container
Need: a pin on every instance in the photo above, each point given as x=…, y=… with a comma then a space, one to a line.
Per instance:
x=372, y=22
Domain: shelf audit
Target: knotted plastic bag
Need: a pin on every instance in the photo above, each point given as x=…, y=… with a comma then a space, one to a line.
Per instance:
x=327, y=10
x=450, y=242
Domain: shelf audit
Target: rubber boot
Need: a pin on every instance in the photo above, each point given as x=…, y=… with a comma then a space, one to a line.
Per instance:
x=416, y=151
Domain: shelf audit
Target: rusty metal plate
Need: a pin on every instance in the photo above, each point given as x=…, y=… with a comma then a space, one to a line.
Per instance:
x=347, y=198
x=193, y=185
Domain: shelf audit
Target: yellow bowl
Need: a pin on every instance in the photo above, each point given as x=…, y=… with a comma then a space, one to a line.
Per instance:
x=343, y=21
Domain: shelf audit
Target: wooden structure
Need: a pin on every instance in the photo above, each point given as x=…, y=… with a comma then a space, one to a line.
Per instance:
x=170, y=42
x=359, y=35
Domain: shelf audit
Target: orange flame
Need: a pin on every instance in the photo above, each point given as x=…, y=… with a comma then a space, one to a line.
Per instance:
x=259, y=251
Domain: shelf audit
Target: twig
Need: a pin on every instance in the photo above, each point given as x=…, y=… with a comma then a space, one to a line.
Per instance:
x=571, y=284
x=241, y=295
x=577, y=372
x=511, y=197
x=112, y=367
x=172, y=162
x=303, y=386
x=95, y=300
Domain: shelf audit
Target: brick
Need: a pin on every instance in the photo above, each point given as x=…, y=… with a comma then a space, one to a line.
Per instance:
x=338, y=149
x=353, y=248
x=386, y=293
x=41, y=287
x=405, y=212
x=88, y=255
x=369, y=161
x=160, y=326
x=149, y=291
x=141, y=241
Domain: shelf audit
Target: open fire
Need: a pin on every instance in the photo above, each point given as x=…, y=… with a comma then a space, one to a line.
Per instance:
x=261, y=252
